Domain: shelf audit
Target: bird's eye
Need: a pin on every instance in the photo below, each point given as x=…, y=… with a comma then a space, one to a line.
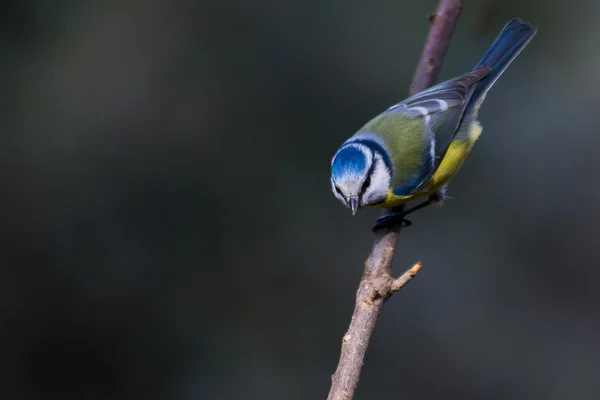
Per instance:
x=366, y=184
x=337, y=189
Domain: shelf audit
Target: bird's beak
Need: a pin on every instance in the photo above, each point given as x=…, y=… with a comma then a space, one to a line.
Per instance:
x=353, y=201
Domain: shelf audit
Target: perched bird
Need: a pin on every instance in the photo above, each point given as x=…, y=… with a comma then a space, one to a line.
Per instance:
x=413, y=148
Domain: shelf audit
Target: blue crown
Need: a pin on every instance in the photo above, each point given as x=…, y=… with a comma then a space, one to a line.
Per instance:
x=348, y=160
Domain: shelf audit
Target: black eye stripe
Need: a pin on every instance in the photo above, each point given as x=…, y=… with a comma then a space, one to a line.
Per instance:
x=369, y=173
x=366, y=184
x=375, y=147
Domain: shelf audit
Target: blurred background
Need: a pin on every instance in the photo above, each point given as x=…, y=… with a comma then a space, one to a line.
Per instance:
x=167, y=228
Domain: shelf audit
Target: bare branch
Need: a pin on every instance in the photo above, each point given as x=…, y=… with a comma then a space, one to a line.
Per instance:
x=443, y=22
x=398, y=283
x=376, y=285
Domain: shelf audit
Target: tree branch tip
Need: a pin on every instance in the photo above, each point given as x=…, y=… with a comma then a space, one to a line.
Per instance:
x=399, y=283
x=415, y=268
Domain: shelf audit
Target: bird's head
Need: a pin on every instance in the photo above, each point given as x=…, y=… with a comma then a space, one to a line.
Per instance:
x=359, y=175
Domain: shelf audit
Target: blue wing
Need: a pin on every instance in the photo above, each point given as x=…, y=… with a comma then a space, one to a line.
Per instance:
x=442, y=106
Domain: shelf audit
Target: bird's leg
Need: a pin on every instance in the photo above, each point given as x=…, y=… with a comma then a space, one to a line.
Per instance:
x=395, y=217
x=398, y=214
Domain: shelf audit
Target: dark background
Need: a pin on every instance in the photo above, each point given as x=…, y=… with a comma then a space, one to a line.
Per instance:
x=167, y=228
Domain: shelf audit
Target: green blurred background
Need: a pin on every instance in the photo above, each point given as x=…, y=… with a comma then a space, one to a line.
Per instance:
x=167, y=225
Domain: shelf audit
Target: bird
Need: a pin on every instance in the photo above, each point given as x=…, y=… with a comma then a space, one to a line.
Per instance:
x=412, y=149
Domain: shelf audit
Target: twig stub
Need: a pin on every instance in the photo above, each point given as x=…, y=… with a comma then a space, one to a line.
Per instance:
x=398, y=283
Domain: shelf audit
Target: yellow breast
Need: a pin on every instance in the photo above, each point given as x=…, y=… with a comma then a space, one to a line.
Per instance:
x=456, y=154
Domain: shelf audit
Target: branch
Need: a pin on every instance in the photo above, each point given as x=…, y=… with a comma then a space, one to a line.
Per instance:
x=399, y=283
x=376, y=284
x=443, y=22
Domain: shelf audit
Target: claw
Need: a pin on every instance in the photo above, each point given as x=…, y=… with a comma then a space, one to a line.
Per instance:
x=390, y=220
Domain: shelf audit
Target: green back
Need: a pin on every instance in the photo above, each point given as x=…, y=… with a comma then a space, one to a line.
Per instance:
x=407, y=144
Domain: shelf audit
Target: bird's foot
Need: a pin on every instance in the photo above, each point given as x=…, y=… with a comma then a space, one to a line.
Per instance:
x=390, y=220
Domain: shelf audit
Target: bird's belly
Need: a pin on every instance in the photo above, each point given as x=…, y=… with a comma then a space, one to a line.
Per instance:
x=455, y=156
x=457, y=152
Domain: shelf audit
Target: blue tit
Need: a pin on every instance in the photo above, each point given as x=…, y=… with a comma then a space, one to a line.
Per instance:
x=413, y=148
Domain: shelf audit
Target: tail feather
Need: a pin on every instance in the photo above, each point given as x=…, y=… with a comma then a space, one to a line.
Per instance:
x=507, y=46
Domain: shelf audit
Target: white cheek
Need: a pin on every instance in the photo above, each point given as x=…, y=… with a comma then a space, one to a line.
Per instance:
x=335, y=192
x=340, y=198
x=380, y=184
